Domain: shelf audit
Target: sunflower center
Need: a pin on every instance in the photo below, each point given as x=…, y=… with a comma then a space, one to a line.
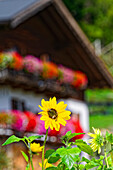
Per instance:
x=99, y=139
x=52, y=113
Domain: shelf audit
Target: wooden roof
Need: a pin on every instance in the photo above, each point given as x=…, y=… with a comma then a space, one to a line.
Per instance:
x=62, y=39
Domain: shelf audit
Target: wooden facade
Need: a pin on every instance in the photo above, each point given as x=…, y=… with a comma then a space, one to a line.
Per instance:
x=50, y=29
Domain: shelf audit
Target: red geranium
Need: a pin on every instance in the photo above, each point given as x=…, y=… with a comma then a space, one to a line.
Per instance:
x=31, y=121
x=50, y=70
x=17, y=61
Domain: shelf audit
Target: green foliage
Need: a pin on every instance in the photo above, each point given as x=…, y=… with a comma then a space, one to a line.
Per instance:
x=94, y=16
x=25, y=156
x=69, y=156
x=66, y=138
x=49, y=153
x=83, y=146
x=27, y=141
x=32, y=138
x=12, y=139
x=109, y=137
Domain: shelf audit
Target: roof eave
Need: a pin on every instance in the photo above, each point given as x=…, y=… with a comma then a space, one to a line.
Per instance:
x=29, y=12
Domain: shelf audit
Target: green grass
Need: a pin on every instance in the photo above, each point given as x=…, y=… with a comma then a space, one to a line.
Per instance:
x=101, y=121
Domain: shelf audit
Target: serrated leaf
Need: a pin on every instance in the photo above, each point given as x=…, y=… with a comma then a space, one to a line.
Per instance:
x=83, y=146
x=25, y=156
x=69, y=156
x=31, y=138
x=49, y=152
x=53, y=159
x=12, y=139
x=68, y=160
x=70, y=135
x=73, y=135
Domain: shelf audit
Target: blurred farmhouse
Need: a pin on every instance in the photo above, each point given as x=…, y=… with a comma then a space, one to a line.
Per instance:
x=43, y=34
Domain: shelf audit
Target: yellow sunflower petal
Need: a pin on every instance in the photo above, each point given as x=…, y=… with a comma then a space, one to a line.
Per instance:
x=47, y=124
x=40, y=164
x=92, y=135
x=54, y=114
x=43, y=113
x=45, y=104
x=41, y=107
x=65, y=113
x=51, y=125
x=57, y=126
x=61, y=121
x=53, y=102
x=43, y=118
x=61, y=107
x=67, y=117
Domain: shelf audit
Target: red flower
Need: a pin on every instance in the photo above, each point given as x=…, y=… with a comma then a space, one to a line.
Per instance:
x=80, y=80
x=78, y=129
x=31, y=121
x=17, y=61
x=50, y=70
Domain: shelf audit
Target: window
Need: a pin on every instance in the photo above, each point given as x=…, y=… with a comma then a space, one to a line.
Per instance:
x=17, y=104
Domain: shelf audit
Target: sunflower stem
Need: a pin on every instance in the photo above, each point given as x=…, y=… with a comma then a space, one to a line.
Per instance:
x=44, y=149
x=106, y=157
x=30, y=152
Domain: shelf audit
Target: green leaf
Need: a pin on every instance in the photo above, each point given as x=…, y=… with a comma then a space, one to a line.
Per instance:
x=85, y=160
x=70, y=135
x=109, y=137
x=83, y=146
x=26, y=138
x=91, y=164
x=31, y=138
x=53, y=159
x=49, y=152
x=52, y=168
x=12, y=139
x=101, y=157
x=69, y=156
x=72, y=168
x=25, y=156
x=74, y=134
x=81, y=166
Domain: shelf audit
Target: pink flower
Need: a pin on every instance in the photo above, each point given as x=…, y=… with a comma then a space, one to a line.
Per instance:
x=32, y=64
x=20, y=120
x=66, y=74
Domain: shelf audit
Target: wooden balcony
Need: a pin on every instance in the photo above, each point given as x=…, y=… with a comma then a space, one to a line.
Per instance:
x=33, y=82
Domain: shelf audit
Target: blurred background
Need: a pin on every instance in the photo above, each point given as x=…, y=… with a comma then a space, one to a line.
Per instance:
x=48, y=48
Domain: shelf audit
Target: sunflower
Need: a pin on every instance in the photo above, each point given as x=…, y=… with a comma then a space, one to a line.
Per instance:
x=35, y=147
x=46, y=164
x=97, y=141
x=54, y=114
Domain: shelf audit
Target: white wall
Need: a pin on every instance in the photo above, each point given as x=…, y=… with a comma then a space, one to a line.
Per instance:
x=79, y=107
x=4, y=95
x=31, y=99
